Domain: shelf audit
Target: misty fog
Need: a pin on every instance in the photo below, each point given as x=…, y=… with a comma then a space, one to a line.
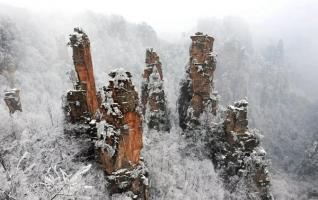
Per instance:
x=271, y=63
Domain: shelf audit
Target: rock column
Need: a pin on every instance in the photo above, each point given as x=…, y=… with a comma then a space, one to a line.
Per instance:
x=113, y=124
x=84, y=67
x=196, y=93
x=234, y=149
x=238, y=156
x=152, y=94
x=120, y=137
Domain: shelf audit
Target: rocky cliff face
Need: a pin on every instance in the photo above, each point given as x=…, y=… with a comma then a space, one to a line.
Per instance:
x=153, y=98
x=233, y=148
x=197, y=88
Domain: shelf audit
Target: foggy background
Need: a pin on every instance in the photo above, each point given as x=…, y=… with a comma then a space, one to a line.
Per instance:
x=266, y=53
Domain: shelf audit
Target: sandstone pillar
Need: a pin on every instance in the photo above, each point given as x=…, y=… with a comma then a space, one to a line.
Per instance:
x=122, y=131
x=152, y=94
x=152, y=62
x=119, y=137
x=84, y=67
x=202, y=66
x=197, y=93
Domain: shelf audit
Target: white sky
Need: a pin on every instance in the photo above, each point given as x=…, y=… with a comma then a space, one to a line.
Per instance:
x=296, y=21
x=164, y=15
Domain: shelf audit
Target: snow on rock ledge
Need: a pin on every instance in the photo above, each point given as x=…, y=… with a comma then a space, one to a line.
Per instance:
x=119, y=138
x=196, y=92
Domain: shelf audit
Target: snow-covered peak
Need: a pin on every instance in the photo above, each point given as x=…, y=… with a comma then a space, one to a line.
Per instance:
x=119, y=76
x=78, y=37
x=241, y=103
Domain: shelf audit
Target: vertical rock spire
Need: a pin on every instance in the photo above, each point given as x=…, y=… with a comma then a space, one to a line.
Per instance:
x=152, y=62
x=114, y=125
x=120, y=112
x=84, y=67
x=238, y=156
x=153, y=96
x=234, y=149
x=119, y=137
x=197, y=89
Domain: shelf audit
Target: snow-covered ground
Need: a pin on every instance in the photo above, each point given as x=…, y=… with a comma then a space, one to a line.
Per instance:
x=175, y=172
x=32, y=142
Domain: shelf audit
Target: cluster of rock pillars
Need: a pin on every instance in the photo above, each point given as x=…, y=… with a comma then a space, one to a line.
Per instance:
x=113, y=120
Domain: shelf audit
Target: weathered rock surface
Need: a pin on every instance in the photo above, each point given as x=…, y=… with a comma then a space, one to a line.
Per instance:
x=122, y=131
x=197, y=88
x=119, y=136
x=84, y=67
x=135, y=181
x=152, y=60
x=114, y=125
x=12, y=99
x=154, y=103
x=236, y=118
x=76, y=109
x=234, y=149
x=236, y=153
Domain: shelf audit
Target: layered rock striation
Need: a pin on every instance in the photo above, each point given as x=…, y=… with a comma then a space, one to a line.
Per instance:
x=82, y=60
x=153, y=98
